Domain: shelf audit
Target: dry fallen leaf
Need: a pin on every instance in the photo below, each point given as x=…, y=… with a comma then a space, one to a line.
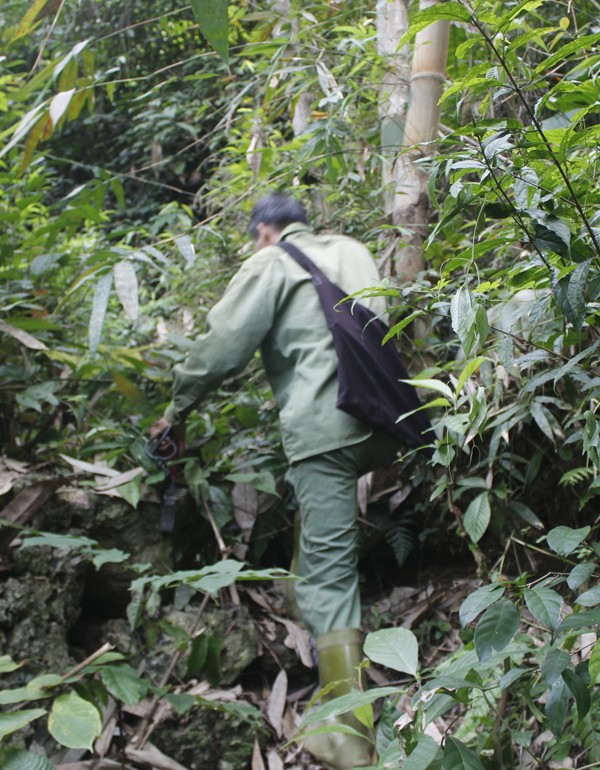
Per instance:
x=257, y=760
x=277, y=701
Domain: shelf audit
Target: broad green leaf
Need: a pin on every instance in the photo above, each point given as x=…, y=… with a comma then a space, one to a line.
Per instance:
x=576, y=292
x=539, y=414
x=579, y=574
x=589, y=598
x=496, y=628
x=197, y=656
x=470, y=368
x=544, y=604
x=423, y=754
x=580, y=689
x=578, y=621
x=451, y=11
x=557, y=705
x=33, y=690
x=436, y=385
x=124, y=684
x=511, y=676
x=59, y=105
x=479, y=601
x=186, y=249
x=555, y=662
x=19, y=759
x=99, y=305
x=395, y=648
x=57, y=541
x=564, y=540
x=263, y=482
x=7, y=664
x=525, y=512
x=477, y=517
x=74, y=722
x=346, y=703
x=595, y=664
x=585, y=41
x=457, y=756
x=126, y=286
x=29, y=19
x=213, y=18
x=108, y=556
x=463, y=316
x=11, y=721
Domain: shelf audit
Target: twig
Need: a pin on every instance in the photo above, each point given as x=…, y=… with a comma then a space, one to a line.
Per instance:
x=88, y=661
x=223, y=549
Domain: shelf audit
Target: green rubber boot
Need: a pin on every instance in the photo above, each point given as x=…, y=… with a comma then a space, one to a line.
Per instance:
x=340, y=654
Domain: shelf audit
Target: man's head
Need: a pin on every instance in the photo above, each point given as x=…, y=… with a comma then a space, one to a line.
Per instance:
x=271, y=215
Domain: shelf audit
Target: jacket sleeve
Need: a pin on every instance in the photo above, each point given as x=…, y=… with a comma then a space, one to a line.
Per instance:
x=236, y=327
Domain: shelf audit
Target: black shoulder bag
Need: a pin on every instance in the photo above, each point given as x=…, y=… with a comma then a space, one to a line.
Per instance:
x=369, y=372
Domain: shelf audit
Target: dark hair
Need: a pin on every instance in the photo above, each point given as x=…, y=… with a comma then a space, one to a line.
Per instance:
x=276, y=209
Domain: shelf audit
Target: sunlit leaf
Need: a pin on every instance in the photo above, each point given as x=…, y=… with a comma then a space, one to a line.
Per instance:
x=477, y=517
x=396, y=648
x=213, y=19
x=99, y=306
x=74, y=722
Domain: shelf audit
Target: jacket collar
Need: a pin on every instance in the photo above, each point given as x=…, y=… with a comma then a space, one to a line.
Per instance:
x=295, y=229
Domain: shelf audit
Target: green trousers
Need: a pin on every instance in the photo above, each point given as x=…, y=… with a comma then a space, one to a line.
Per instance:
x=325, y=487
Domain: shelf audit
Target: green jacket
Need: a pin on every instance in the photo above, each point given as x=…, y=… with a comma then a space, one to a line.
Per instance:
x=272, y=304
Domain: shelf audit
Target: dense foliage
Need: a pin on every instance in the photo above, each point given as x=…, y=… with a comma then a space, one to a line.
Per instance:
x=132, y=153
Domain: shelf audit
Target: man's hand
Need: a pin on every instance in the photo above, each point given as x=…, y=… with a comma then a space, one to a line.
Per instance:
x=177, y=433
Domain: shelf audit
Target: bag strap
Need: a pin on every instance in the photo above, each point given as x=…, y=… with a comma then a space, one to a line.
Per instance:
x=300, y=257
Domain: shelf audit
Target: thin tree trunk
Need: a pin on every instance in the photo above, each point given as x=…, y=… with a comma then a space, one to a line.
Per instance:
x=411, y=203
x=392, y=23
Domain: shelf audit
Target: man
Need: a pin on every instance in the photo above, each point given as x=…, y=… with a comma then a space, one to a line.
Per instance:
x=271, y=305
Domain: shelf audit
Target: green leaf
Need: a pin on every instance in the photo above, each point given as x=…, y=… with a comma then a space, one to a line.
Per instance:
x=451, y=11
x=99, y=305
x=126, y=286
x=595, y=664
x=525, y=512
x=423, y=754
x=576, y=292
x=436, y=385
x=263, y=481
x=7, y=664
x=578, y=686
x=557, y=705
x=477, y=517
x=11, y=721
x=555, y=662
x=564, y=540
x=74, y=722
x=197, y=656
x=589, y=598
x=577, y=621
x=458, y=757
x=19, y=759
x=346, y=703
x=579, y=574
x=395, y=648
x=479, y=601
x=496, y=628
x=540, y=415
x=213, y=18
x=124, y=684
x=580, y=43
x=544, y=604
